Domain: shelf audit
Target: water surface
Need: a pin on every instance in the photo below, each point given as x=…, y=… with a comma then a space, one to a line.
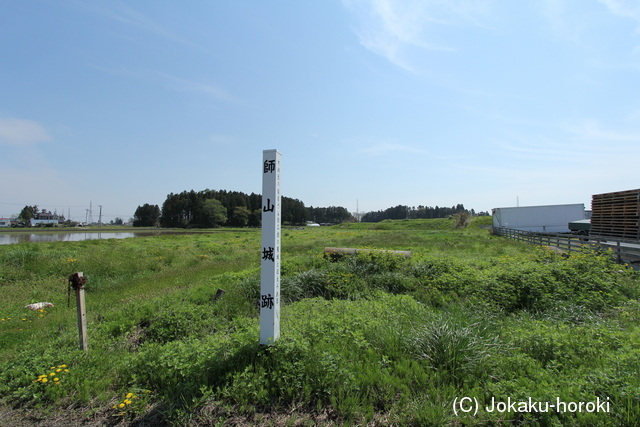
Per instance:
x=77, y=236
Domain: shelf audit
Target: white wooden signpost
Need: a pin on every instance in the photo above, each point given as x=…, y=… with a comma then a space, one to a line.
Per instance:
x=270, y=259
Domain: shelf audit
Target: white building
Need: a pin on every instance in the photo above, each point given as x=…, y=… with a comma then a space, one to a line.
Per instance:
x=550, y=218
x=46, y=218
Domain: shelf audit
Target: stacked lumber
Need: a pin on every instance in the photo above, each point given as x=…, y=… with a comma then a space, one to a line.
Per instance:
x=616, y=214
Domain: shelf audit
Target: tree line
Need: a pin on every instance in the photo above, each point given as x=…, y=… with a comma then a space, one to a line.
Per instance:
x=217, y=208
x=211, y=208
x=406, y=212
x=330, y=215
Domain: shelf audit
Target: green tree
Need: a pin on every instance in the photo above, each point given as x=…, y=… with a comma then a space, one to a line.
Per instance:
x=171, y=212
x=331, y=214
x=293, y=211
x=187, y=209
x=28, y=213
x=146, y=216
x=213, y=214
x=255, y=218
x=239, y=217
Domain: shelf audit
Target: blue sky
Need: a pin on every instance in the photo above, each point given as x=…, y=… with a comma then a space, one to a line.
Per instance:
x=383, y=102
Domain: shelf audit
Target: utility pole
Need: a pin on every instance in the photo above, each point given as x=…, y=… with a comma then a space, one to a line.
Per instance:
x=100, y=218
x=90, y=212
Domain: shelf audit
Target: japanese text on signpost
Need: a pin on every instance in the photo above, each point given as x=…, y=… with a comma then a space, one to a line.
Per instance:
x=270, y=252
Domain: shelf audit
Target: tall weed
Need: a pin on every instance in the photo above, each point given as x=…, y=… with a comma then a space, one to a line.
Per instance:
x=455, y=345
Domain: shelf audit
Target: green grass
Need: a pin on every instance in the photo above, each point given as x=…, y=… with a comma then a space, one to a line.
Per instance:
x=372, y=339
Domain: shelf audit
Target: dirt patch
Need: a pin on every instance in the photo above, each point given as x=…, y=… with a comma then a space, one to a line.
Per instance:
x=86, y=416
x=208, y=415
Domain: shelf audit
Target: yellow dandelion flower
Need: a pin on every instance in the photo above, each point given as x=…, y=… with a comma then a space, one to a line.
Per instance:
x=128, y=396
x=62, y=366
x=66, y=370
x=121, y=405
x=56, y=379
x=52, y=374
x=127, y=401
x=44, y=380
x=58, y=370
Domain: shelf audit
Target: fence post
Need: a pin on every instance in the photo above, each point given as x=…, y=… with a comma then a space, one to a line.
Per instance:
x=77, y=282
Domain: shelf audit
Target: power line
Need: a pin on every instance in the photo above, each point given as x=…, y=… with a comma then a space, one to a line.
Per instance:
x=57, y=204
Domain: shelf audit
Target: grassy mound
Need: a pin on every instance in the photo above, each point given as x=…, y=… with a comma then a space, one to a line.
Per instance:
x=372, y=339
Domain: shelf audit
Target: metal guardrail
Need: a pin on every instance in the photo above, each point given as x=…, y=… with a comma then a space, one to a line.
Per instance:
x=625, y=250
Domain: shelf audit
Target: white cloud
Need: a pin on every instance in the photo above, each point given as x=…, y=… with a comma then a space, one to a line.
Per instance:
x=38, y=184
x=591, y=130
x=203, y=88
x=173, y=82
x=135, y=19
x=625, y=8
x=571, y=19
x=221, y=139
x=381, y=148
x=586, y=143
x=566, y=18
x=389, y=28
x=21, y=132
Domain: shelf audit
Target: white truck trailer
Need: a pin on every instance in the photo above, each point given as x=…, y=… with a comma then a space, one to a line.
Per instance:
x=550, y=218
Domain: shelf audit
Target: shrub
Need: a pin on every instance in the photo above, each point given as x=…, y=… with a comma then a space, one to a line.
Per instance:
x=453, y=347
x=461, y=219
x=179, y=320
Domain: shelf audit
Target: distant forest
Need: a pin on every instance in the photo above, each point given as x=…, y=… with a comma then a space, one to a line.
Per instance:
x=406, y=212
x=211, y=208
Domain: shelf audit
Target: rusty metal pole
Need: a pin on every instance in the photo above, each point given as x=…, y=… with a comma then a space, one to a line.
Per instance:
x=77, y=281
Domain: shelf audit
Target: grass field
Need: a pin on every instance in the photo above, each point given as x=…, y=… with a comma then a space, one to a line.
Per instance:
x=470, y=320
